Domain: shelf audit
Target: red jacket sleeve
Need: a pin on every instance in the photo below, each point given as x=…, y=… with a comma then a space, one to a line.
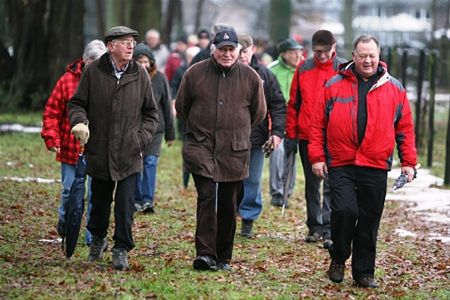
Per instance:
x=293, y=106
x=317, y=136
x=405, y=136
x=53, y=115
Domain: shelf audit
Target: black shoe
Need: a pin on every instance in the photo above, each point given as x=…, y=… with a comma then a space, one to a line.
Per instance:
x=336, y=272
x=366, y=282
x=246, y=229
x=205, y=263
x=224, y=267
x=312, y=237
x=120, y=259
x=60, y=228
x=277, y=200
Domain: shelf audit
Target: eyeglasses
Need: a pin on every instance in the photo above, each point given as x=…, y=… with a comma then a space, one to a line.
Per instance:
x=127, y=43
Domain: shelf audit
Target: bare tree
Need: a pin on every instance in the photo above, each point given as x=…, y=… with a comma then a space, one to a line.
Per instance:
x=347, y=17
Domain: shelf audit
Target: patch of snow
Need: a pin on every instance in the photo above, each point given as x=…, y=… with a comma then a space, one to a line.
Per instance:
x=31, y=179
x=19, y=128
x=404, y=233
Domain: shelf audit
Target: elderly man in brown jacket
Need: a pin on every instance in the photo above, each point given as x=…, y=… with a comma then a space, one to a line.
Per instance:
x=220, y=99
x=114, y=105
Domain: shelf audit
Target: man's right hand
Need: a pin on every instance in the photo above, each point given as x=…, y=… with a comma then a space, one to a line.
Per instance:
x=290, y=146
x=81, y=133
x=320, y=169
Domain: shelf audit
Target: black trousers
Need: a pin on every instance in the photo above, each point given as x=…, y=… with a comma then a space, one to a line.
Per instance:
x=317, y=213
x=216, y=217
x=357, y=203
x=102, y=197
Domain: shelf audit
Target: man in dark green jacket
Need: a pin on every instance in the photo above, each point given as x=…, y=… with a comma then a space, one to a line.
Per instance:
x=114, y=106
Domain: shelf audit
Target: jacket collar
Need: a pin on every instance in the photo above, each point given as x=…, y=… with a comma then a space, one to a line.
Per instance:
x=347, y=68
x=220, y=69
x=105, y=65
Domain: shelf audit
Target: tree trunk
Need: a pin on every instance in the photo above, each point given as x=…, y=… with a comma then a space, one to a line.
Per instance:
x=174, y=17
x=198, y=15
x=145, y=15
x=280, y=20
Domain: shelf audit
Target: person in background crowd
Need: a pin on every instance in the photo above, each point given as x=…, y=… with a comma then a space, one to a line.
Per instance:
x=219, y=99
x=204, y=38
x=205, y=53
x=284, y=69
x=114, y=112
x=306, y=90
x=251, y=206
x=176, y=58
x=56, y=128
x=174, y=85
x=159, y=50
x=260, y=51
x=363, y=113
x=146, y=182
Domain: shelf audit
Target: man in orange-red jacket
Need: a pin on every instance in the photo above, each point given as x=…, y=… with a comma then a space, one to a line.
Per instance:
x=307, y=86
x=364, y=112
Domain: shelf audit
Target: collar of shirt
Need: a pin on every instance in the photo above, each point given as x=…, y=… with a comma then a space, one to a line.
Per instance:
x=118, y=72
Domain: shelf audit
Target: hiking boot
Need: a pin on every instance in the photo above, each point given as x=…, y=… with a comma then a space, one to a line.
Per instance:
x=147, y=209
x=366, y=282
x=336, y=272
x=246, y=229
x=204, y=263
x=312, y=237
x=327, y=244
x=60, y=228
x=224, y=267
x=97, y=248
x=120, y=259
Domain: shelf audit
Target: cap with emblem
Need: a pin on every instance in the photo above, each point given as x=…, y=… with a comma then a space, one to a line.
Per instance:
x=226, y=37
x=245, y=40
x=119, y=31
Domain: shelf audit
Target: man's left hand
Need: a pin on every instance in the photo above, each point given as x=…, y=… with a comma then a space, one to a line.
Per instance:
x=276, y=141
x=409, y=171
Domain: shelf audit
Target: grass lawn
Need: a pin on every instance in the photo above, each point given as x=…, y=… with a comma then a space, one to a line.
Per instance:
x=276, y=264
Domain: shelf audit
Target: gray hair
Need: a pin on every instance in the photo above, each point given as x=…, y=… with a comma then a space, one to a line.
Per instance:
x=94, y=50
x=365, y=38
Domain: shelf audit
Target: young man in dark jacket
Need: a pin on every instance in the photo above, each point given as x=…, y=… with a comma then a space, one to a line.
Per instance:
x=114, y=109
x=251, y=205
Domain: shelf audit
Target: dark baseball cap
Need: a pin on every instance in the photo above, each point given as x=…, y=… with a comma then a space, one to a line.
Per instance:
x=226, y=37
x=120, y=31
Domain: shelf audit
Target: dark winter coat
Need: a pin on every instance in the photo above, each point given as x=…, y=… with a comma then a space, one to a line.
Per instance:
x=166, y=127
x=122, y=116
x=276, y=107
x=219, y=107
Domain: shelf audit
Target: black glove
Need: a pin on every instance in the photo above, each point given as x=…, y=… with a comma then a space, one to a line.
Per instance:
x=290, y=146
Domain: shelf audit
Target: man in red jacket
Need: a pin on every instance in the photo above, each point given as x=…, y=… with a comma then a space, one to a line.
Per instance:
x=307, y=86
x=364, y=111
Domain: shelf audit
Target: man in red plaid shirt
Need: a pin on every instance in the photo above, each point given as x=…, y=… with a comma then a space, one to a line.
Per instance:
x=56, y=126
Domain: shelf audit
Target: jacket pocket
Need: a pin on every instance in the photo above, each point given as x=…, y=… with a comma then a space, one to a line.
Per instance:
x=195, y=136
x=240, y=145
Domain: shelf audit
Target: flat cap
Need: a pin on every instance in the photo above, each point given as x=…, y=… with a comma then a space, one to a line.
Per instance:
x=245, y=40
x=119, y=31
x=289, y=44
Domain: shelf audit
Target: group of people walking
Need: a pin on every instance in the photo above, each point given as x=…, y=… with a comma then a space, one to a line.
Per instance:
x=343, y=117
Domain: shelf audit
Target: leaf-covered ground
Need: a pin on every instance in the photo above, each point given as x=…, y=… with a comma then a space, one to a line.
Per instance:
x=277, y=263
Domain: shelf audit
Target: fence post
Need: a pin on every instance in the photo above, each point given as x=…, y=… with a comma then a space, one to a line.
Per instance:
x=404, y=66
x=447, y=151
x=420, y=77
x=432, y=75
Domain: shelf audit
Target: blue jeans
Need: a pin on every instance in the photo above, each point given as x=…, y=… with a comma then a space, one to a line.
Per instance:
x=252, y=203
x=67, y=177
x=146, y=182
